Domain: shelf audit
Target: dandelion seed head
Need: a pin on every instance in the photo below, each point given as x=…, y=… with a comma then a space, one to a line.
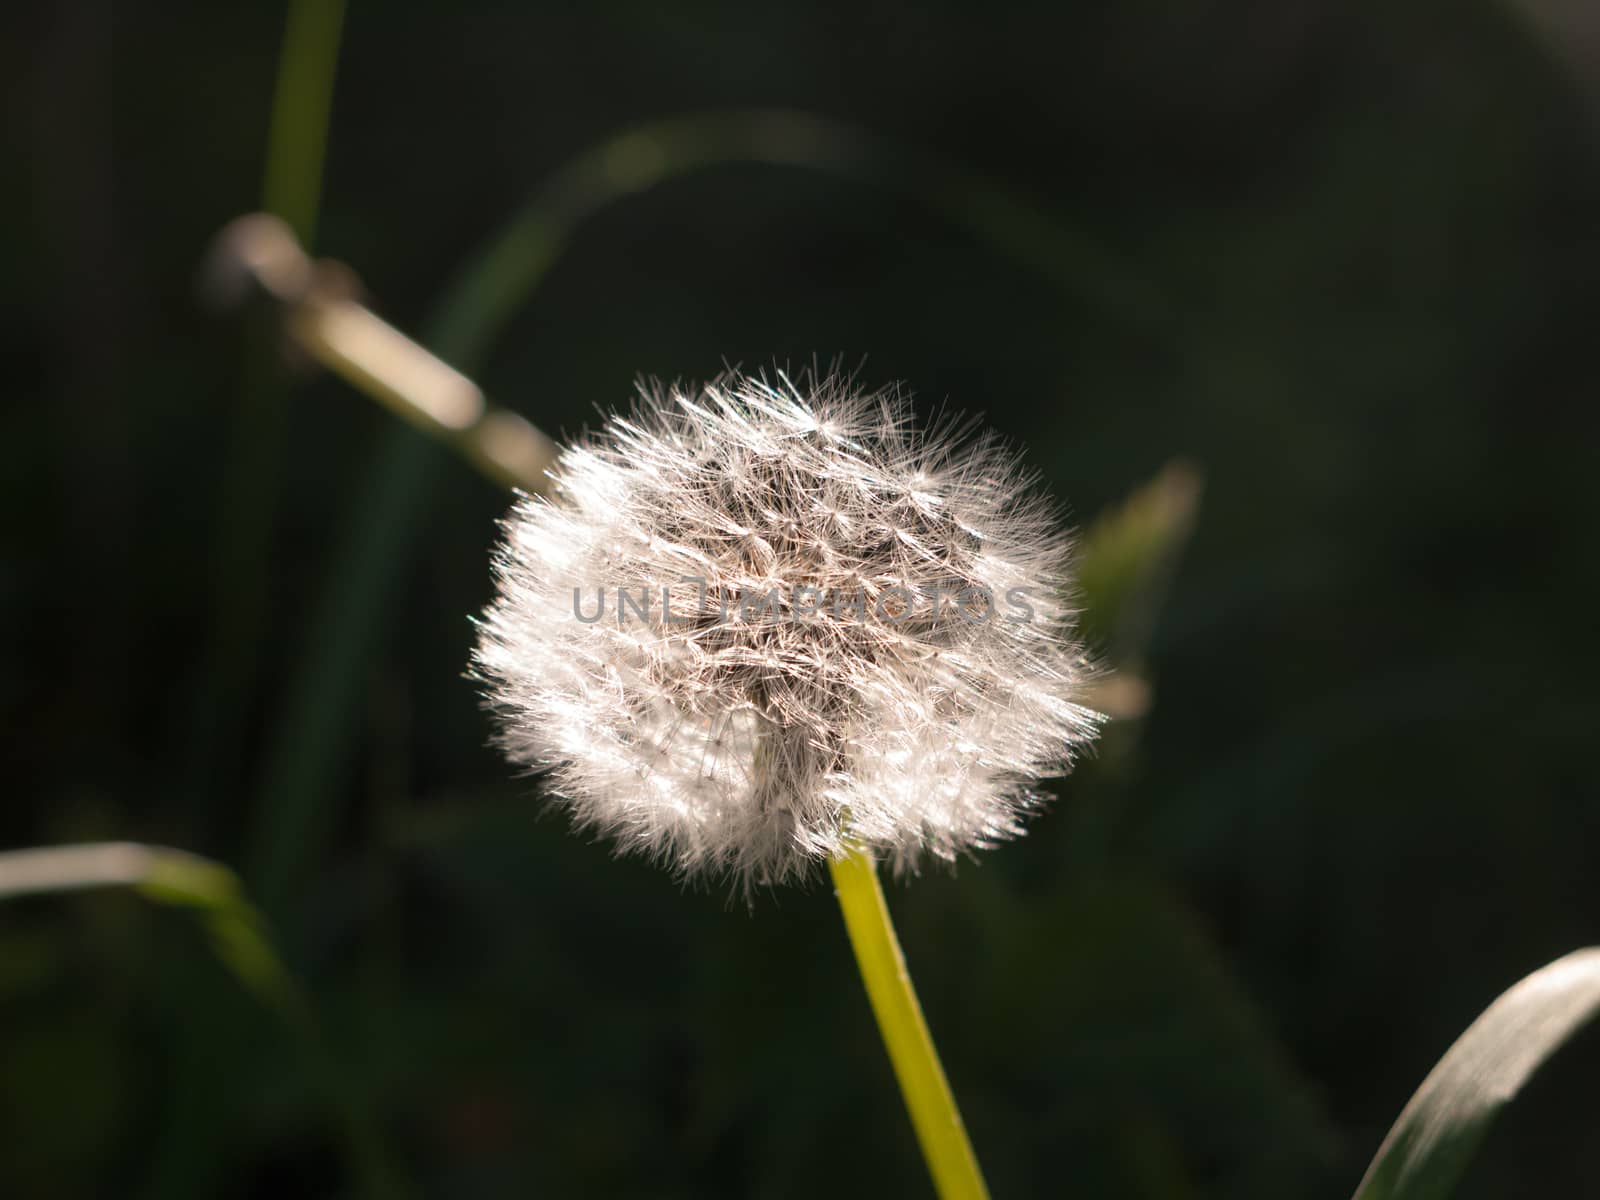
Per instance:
x=753, y=624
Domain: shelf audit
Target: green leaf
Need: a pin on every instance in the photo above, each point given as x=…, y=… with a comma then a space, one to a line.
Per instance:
x=238, y=937
x=1437, y=1134
x=171, y=877
x=1127, y=557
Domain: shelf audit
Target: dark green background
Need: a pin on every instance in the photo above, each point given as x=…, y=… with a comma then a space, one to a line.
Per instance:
x=1342, y=257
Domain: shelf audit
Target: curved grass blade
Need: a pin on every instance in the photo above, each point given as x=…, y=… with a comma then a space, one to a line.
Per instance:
x=1430, y=1145
x=502, y=277
x=238, y=937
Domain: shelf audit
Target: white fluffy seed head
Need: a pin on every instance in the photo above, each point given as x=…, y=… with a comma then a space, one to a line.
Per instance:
x=753, y=625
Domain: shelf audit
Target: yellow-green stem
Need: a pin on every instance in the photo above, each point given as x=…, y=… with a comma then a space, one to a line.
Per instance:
x=927, y=1094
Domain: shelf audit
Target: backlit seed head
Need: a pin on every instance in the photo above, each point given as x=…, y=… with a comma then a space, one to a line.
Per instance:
x=753, y=624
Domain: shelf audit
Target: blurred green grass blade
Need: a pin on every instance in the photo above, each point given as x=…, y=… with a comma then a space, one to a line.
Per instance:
x=297, y=136
x=1125, y=563
x=302, y=100
x=237, y=935
x=235, y=929
x=293, y=812
x=170, y=877
x=1126, y=560
x=501, y=278
x=1431, y=1144
x=292, y=175
x=295, y=808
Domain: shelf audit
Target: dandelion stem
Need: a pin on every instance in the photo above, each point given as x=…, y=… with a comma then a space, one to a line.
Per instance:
x=932, y=1107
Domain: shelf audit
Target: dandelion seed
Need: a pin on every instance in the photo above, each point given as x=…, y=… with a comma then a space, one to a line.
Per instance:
x=839, y=631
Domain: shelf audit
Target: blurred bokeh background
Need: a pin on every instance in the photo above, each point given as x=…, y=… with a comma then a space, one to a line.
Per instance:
x=1339, y=258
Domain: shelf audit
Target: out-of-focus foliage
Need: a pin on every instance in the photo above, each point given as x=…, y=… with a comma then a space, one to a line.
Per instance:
x=1127, y=558
x=1361, y=241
